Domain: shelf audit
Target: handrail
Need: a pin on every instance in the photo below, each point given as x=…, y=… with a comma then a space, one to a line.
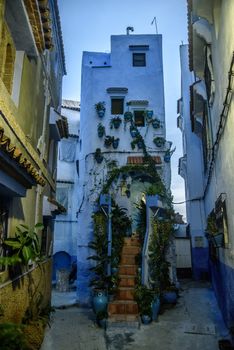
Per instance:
x=153, y=204
x=105, y=203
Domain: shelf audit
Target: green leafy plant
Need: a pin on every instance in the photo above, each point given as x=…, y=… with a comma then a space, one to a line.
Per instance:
x=115, y=122
x=24, y=247
x=144, y=298
x=98, y=155
x=100, y=106
x=159, y=141
x=99, y=245
x=12, y=337
x=108, y=140
x=101, y=130
x=158, y=266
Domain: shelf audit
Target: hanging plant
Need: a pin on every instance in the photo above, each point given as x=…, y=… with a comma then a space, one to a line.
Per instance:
x=115, y=143
x=128, y=117
x=101, y=130
x=108, y=141
x=159, y=141
x=149, y=116
x=139, y=141
x=133, y=131
x=100, y=108
x=98, y=155
x=156, y=123
x=115, y=122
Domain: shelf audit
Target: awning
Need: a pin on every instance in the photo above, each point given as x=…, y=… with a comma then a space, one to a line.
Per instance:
x=141, y=160
x=17, y=156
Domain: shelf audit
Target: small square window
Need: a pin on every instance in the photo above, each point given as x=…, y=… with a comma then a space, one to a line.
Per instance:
x=138, y=60
x=117, y=106
x=139, y=118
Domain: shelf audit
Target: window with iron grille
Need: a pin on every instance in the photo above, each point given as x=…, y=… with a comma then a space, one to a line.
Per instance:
x=138, y=60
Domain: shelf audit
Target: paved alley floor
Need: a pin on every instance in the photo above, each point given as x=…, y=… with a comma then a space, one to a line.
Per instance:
x=194, y=323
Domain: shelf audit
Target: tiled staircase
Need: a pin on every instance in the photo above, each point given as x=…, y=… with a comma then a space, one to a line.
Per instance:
x=124, y=307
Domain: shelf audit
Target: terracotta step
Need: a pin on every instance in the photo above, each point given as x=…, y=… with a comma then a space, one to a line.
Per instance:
x=123, y=317
x=127, y=280
x=128, y=260
x=130, y=250
x=125, y=293
x=131, y=242
x=128, y=270
x=123, y=307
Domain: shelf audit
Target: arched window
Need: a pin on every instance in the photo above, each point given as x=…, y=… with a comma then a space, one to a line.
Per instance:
x=8, y=68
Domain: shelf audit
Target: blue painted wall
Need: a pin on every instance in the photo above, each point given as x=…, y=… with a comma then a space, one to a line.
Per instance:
x=200, y=257
x=223, y=282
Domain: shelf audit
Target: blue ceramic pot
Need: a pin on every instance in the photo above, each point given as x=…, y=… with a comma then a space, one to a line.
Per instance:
x=155, y=308
x=146, y=319
x=140, y=144
x=100, y=301
x=99, y=159
x=169, y=297
x=133, y=133
x=150, y=114
x=115, y=144
x=167, y=158
x=101, y=113
x=156, y=124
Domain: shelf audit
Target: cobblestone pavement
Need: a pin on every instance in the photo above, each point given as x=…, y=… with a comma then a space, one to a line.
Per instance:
x=194, y=323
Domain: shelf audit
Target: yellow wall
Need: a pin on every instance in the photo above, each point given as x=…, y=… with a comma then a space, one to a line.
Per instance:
x=14, y=303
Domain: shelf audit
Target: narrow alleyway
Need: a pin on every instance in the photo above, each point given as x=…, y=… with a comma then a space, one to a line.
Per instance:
x=194, y=323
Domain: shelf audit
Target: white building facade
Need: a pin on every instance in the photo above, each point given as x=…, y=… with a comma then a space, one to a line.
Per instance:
x=211, y=58
x=129, y=79
x=191, y=169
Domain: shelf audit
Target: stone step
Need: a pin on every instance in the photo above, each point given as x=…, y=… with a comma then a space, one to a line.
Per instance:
x=128, y=259
x=125, y=293
x=123, y=307
x=128, y=270
x=130, y=250
x=127, y=280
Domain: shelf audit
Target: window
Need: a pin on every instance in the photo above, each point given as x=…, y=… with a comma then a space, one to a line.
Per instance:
x=139, y=118
x=117, y=106
x=138, y=60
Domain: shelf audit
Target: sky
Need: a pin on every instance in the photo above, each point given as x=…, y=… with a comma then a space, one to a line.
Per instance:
x=87, y=26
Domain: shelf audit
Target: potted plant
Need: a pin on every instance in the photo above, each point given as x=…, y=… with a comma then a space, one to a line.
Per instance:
x=115, y=143
x=144, y=297
x=168, y=154
x=128, y=116
x=115, y=122
x=101, y=130
x=133, y=131
x=98, y=156
x=156, y=123
x=149, y=116
x=99, y=245
x=108, y=141
x=100, y=108
x=159, y=141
